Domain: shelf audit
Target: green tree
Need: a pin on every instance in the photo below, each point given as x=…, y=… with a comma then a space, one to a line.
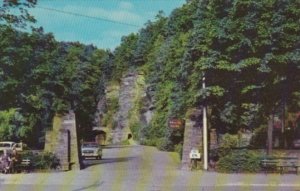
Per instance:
x=19, y=16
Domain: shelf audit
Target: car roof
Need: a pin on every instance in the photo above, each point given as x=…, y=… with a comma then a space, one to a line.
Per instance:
x=10, y=142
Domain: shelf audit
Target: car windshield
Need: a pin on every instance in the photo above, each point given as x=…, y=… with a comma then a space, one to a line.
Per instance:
x=90, y=145
x=5, y=145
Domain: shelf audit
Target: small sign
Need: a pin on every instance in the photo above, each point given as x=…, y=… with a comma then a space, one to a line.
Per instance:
x=176, y=123
x=69, y=121
x=195, y=154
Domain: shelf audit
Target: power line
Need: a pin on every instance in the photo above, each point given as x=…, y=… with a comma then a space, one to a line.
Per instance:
x=87, y=16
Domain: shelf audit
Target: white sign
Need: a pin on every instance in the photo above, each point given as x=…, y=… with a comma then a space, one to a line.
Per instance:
x=195, y=154
x=68, y=121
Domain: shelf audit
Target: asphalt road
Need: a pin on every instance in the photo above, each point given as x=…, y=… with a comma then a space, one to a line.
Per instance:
x=140, y=168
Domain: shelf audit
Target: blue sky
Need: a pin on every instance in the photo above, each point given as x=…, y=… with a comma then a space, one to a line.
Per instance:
x=66, y=27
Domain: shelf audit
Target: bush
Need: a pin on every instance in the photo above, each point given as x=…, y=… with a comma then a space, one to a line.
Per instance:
x=164, y=144
x=41, y=160
x=227, y=143
x=125, y=142
x=148, y=142
x=179, y=148
x=259, y=137
x=239, y=161
x=135, y=127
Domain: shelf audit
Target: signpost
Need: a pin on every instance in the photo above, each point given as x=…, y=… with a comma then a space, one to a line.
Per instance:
x=194, y=156
x=176, y=123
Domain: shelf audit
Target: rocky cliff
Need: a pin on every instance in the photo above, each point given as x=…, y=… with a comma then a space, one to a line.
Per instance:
x=126, y=107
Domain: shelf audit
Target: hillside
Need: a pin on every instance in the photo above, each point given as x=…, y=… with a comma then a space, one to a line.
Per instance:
x=247, y=52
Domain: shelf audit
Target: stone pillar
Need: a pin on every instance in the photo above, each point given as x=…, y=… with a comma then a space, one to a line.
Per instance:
x=213, y=142
x=69, y=124
x=63, y=142
x=192, y=136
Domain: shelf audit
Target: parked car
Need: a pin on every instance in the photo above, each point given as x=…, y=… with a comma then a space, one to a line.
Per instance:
x=296, y=143
x=9, y=145
x=91, y=150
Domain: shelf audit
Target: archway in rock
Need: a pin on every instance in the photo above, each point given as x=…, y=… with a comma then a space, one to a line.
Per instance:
x=129, y=136
x=100, y=137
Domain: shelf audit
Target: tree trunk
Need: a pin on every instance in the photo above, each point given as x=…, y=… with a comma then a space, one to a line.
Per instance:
x=283, y=126
x=270, y=135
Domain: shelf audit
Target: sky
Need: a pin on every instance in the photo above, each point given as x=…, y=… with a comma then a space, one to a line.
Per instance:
x=104, y=32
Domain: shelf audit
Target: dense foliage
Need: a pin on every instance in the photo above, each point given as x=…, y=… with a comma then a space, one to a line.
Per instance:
x=40, y=77
x=248, y=51
x=19, y=17
x=41, y=161
x=240, y=161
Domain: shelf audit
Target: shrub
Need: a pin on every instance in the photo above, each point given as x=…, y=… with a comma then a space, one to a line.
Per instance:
x=259, y=137
x=239, y=161
x=125, y=142
x=227, y=143
x=164, y=144
x=179, y=148
x=41, y=160
x=135, y=128
x=148, y=142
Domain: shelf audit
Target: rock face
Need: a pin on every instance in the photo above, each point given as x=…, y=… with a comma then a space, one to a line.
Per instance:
x=105, y=117
x=101, y=109
x=134, y=107
x=131, y=94
x=147, y=101
x=127, y=92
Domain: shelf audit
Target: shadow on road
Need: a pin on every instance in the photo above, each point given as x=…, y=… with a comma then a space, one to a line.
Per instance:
x=117, y=146
x=96, y=185
x=88, y=163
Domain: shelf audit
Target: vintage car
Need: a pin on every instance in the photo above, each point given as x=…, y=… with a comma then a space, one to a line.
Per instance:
x=91, y=150
x=296, y=143
x=9, y=145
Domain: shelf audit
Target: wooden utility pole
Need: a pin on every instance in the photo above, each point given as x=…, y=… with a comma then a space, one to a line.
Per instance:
x=205, y=143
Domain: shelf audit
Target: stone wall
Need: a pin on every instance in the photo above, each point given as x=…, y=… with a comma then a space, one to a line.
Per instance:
x=213, y=139
x=192, y=136
x=63, y=142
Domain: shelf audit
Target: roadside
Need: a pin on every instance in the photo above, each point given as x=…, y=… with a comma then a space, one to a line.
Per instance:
x=144, y=168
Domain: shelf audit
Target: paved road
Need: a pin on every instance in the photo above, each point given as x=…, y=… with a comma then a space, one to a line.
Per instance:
x=140, y=168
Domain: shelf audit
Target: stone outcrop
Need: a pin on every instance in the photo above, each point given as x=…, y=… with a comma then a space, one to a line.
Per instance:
x=101, y=109
x=147, y=104
x=126, y=95
x=106, y=115
x=135, y=106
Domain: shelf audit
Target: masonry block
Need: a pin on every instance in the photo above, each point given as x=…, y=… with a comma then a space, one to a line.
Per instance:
x=192, y=136
x=63, y=142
